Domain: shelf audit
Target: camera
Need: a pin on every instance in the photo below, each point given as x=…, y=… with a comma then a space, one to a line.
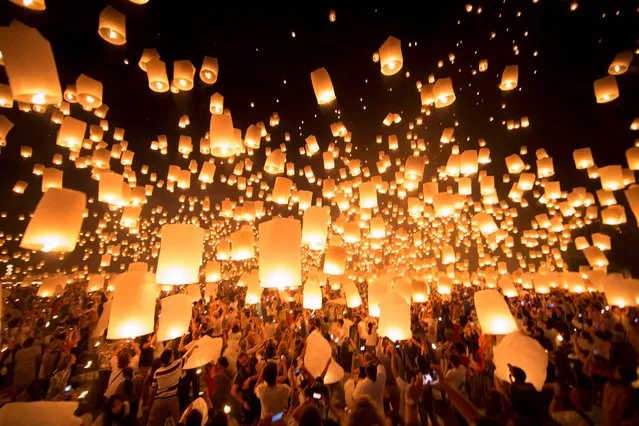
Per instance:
x=430, y=378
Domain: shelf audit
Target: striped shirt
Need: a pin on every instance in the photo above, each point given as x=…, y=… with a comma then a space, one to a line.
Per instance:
x=166, y=379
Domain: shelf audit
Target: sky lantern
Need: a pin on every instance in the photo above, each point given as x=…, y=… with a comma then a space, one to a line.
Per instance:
x=509, y=78
x=252, y=137
x=21, y=48
x=312, y=293
x=606, y=89
x=183, y=74
x=175, y=317
x=280, y=254
x=222, y=137
x=51, y=178
x=335, y=260
x=133, y=307
x=180, y=254
x=37, y=5
x=147, y=55
x=315, y=227
x=95, y=283
x=620, y=63
x=242, y=244
x=112, y=26
x=444, y=92
x=89, y=91
x=523, y=352
x=419, y=291
x=323, y=86
x=209, y=70
x=611, y=177
x=394, y=317
x=619, y=291
x=583, y=158
x=212, y=271
x=156, y=73
x=282, y=190
x=56, y=222
x=351, y=293
x=71, y=133
x=390, y=56
x=216, y=103
x=493, y=313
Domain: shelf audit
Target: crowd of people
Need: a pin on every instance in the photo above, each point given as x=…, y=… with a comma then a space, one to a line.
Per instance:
x=444, y=374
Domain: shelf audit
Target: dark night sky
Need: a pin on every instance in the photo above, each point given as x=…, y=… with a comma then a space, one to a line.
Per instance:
x=256, y=53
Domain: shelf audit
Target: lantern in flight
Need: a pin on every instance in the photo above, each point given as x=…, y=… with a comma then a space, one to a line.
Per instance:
x=112, y=26
x=180, y=254
x=280, y=254
x=390, y=56
x=323, y=86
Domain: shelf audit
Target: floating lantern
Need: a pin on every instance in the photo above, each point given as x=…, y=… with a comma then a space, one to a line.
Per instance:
x=56, y=222
x=394, y=317
x=209, y=70
x=133, y=306
x=183, y=74
x=112, y=26
x=323, y=86
x=606, y=89
x=620, y=63
x=315, y=227
x=175, y=317
x=21, y=48
x=509, y=78
x=222, y=137
x=312, y=293
x=390, y=56
x=493, y=313
x=180, y=254
x=335, y=260
x=242, y=245
x=213, y=271
x=280, y=259
x=156, y=73
x=444, y=92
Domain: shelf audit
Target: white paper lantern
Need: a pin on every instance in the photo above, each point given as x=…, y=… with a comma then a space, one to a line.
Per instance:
x=280, y=259
x=180, y=254
x=133, y=308
x=394, y=317
x=493, y=313
x=175, y=317
x=524, y=352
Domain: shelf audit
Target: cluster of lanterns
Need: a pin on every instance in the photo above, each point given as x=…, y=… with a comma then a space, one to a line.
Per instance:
x=385, y=234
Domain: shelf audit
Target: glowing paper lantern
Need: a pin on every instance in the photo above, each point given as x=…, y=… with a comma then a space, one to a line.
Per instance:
x=282, y=190
x=523, y=352
x=156, y=73
x=315, y=222
x=444, y=92
x=133, y=306
x=96, y=282
x=37, y=5
x=30, y=65
x=222, y=137
x=112, y=26
x=147, y=55
x=606, y=89
x=509, y=78
x=209, y=70
x=56, y=222
x=52, y=286
x=183, y=74
x=353, y=298
x=312, y=293
x=583, y=158
x=394, y=317
x=280, y=259
x=323, y=86
x=40, y=413
x=212, y=271
x=620, y=292
x=620, y=63
x=493, y=313
x=180, y=254
x=175, y=317
x=368, y=195
x=207, y=351
x=242, y=244
x=335, y=260
x=110, y=189
x=390, y=56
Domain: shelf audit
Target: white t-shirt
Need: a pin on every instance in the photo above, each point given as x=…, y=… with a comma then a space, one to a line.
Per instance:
x=117, y=375
x=371, y=340
x=362, y=329
x=273, y=399
x=374, y=389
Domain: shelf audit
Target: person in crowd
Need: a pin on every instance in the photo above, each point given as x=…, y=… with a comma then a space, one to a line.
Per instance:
x=120, y=360
x=163, y=399
x=57, y=390
x=116, y=413
x=273, y=396
x=375, y=382
x=25, y=361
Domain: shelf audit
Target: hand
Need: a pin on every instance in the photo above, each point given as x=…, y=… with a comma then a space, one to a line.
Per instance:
x=246, y=406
